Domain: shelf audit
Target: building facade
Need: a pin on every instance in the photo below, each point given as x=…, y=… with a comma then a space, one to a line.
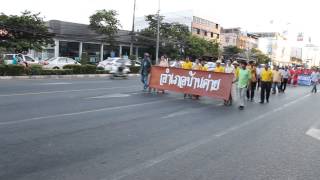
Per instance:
x=275, y=46
x=77, y=40
x=236, y=37
x=201, y=27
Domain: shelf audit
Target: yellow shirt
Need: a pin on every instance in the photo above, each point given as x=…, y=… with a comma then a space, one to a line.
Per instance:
x=203, y=68
x=266, y=75
x=219, y=69
x=187, y=65
x=236, y=72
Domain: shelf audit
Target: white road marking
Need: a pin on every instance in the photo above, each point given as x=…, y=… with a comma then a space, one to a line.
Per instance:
x=56, y=83
x=313, y=132
x=117, y=95
x=81, y=112
x=189, y=147
x=65, y=91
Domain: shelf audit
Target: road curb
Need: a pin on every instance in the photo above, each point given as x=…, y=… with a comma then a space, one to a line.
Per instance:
x=61, y=76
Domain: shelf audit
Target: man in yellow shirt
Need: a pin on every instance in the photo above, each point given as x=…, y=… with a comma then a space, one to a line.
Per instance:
x=266, y=83
x=203, y=66
x=219, y=68
x=187, y=64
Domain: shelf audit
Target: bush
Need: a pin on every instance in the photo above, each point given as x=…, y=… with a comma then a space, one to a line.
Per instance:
x=35, y=70
x=134, y=69
x=56, y=72
x=100, y=68
x=102, y=72
x=88, y=69
x=15, y=70
x=76, y=69
x=3, y=70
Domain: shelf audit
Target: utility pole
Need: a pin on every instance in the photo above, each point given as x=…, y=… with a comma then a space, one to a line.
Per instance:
x=132, y=31
x=158, y=34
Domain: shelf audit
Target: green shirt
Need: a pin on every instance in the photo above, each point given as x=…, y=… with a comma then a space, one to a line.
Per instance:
x=244, y=77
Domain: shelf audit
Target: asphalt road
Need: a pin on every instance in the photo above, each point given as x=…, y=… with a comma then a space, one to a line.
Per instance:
x=100, y=129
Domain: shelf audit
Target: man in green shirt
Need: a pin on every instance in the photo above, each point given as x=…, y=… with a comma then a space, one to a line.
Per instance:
x=243, y=82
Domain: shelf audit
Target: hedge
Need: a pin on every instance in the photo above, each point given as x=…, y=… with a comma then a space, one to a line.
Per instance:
x=18, y=70
x=81, y=69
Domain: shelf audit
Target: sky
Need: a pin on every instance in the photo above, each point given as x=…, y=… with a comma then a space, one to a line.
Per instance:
x=251, y=15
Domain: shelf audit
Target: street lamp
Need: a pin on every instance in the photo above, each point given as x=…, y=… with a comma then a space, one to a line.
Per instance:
x=132, y=31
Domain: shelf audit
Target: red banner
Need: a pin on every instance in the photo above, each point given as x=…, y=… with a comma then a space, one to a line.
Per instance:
x=203, y=83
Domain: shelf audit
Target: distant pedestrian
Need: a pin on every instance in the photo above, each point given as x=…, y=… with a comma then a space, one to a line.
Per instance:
x=276, y=80
x=196, y=65
x=145, y=71
x=229, y=67
x=315, y=80
x=266, y=83
x=253, y=82
x=285, y=73
x=203, y=66
x=187, y=65
x=243, y=83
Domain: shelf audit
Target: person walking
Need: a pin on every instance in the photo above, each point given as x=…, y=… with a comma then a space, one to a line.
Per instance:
x=229, y=69
x=145, y=71
x=276, y=80
x=266, y=82
x=253, y=82
x=243, y=82
x=285, y=73
x=219, y=68
x=315, y=80
x=187, y=65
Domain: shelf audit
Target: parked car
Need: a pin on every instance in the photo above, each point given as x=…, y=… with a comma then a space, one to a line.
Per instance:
x=59, y=62
x=8, y=59
x=107, y=64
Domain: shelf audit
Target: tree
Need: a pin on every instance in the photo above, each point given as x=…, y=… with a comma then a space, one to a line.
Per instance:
x=260, y=57
x=173, y=36
x=105, y=22
x=198, y=47
x=231, y=51
x=24, y=32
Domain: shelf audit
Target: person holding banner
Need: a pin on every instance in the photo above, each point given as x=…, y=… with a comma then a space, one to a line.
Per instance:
x=187, y=65
x=145, y=71
x=203, y=66
x=315, y=80
x=218, y=68
x=243, y=83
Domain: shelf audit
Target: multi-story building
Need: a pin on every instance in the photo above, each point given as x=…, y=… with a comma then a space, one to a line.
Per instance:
x=276, y=46
x=198, y=26
x=236, y=37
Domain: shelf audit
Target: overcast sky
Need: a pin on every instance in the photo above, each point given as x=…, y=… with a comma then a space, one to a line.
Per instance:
x=252, y=15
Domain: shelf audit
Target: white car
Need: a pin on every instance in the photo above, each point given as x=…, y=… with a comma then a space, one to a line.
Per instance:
x=108, y=63
x=59, y=62
x=120, y=63
x=8, y=59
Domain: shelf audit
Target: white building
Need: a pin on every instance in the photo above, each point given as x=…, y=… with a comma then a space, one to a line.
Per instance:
x=275, y=46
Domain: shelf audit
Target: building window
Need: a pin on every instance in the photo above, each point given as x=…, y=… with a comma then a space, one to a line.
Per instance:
x=218, y=36
x=217, y=26
x=205, y=33
x=212, y=34
x=198, y=31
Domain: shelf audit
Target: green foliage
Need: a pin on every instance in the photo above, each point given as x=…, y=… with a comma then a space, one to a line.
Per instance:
x=100, y=69
x=231, y=51
x=84, y=59
x=56, y=72
x=81, y=69
x=260, y=57
x=101, y=72
x=173, y=36
x=34, y=70
x=2, y=70
x=76, y=69
x=134, y=70
x=15, y=70
x=198, y=47
x=132, y=57
x=27, y=31
x=105, y=22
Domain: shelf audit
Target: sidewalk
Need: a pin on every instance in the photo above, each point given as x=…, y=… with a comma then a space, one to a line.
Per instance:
x=61, y=76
